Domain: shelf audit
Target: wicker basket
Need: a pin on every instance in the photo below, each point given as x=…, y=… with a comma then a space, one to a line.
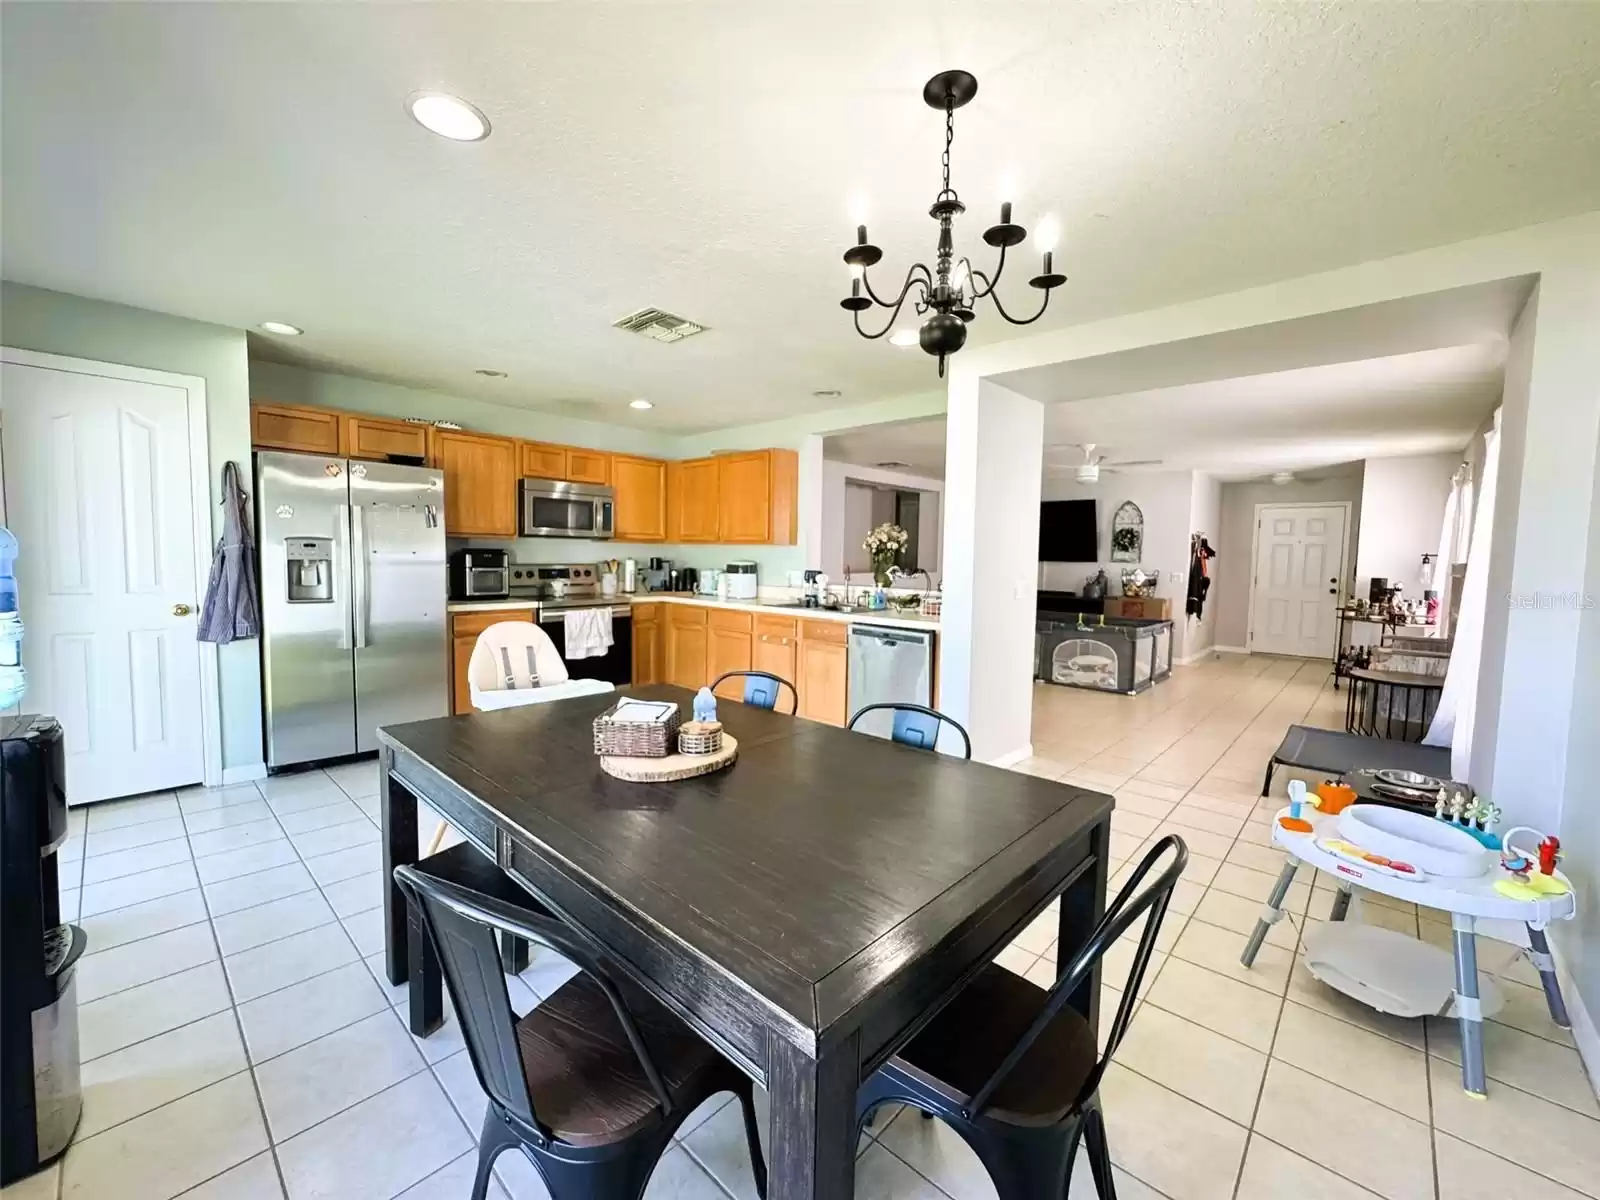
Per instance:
x=700, y=737
x=636, y=739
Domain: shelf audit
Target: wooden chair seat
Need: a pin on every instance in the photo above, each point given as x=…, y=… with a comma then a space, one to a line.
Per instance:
x=586, y=1081
x=972, y=1035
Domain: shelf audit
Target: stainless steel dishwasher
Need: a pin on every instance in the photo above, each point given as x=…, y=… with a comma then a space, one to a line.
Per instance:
x=888, y=664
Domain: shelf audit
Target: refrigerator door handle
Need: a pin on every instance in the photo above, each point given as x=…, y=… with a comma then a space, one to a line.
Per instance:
x=358, y=574
x=341, y=570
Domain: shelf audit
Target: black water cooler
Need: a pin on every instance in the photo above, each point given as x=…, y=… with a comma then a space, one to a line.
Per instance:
x=40, y=1100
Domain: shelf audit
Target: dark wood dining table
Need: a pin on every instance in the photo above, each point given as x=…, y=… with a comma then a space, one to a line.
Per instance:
x=806, y=910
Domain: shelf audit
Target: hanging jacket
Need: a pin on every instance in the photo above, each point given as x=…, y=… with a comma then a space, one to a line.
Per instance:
x=231, y=607
x=1200, y=555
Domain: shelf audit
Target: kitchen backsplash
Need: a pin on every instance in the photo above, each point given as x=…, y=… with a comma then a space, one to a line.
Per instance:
x=773, y=563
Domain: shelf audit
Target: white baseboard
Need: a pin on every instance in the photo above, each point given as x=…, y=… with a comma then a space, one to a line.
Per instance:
x=1231, y=649
x=245, y=774
x=1013, y=757
x=1190, y=659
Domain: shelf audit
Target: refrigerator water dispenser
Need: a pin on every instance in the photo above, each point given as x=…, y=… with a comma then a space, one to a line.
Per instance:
x=309, y=562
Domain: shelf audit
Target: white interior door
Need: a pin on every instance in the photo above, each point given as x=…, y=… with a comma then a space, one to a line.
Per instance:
x=1299, y=561
x=99, y=494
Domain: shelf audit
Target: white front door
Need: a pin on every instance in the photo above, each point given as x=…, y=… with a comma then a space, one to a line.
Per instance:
x=1299, y=560
x=99, y=496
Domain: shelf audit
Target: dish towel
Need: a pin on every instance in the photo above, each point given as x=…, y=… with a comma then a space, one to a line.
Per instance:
x=588, y=633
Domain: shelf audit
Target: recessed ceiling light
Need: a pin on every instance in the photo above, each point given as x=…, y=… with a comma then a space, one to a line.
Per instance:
x=903, y=337
x=640, y=404
x=490, y=373
x=827, y=393
x=448, y=116
x=282, y=327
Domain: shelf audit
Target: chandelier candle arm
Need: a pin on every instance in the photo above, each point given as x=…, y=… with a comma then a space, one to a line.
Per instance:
x=953, y=285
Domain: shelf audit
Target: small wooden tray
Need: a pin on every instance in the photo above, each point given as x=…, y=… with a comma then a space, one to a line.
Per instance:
x=673, y=766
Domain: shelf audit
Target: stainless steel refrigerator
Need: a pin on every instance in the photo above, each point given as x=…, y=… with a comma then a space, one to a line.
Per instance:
x=352, y=602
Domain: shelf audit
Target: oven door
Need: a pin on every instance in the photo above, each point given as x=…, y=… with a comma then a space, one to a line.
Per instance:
x=615, y=666
x=551, y=508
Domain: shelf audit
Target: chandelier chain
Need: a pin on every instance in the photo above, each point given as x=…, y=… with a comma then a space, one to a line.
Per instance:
x=949, y=136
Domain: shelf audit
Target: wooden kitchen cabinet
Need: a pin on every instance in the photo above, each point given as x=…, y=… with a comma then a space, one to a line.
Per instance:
x=688, y=645
x=757, y=497
x=692, y=500
x=730, y=649
x=822, y=666
x=588, y=466
x=295, y=427
x=647, y=644
x=540, y=460
x=774, y=647
x=544, y=460
x=382, y=438
x=464, y=630
x=480, y=483
x=641, y=498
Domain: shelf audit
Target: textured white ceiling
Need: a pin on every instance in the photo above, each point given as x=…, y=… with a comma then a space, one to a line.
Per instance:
x=240, y=162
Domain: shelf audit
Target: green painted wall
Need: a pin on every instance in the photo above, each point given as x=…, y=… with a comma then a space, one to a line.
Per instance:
x=56, y=323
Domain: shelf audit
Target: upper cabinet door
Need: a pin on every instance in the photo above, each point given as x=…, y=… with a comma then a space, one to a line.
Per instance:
x=382, y=437
x=745, y=497
x=588, y=466
x=543, y=461
x=692, y=500
x=295, y=427
x=480, y=483
x=641, y=487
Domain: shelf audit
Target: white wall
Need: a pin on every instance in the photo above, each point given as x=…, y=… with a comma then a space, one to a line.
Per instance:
x=1231, y=582
x=838, y=522
x=1205, y=516
x=1402, y=509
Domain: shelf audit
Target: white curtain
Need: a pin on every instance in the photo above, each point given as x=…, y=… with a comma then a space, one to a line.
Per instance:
x=1452, y=544
x=1458, y=702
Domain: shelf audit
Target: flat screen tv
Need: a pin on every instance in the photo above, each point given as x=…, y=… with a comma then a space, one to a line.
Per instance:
x=1067, y=532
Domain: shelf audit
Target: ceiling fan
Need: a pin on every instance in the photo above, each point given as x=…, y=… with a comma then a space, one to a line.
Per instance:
x=1088, y=471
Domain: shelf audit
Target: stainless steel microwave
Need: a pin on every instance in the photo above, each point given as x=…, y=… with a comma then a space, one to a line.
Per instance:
x=555, y=508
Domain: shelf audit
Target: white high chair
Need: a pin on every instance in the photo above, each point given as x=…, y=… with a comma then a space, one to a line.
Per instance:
x=515, y=663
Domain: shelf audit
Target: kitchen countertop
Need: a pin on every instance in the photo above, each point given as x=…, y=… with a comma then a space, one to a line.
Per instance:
x=912, y=620
x=772, y=608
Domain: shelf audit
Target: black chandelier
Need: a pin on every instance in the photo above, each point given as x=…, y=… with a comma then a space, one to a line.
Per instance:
x=948, y=292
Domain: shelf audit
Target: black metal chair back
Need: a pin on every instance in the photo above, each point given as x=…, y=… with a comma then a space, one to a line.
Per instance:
x=460, y=922
x=1120, y=914
x=915, y=725
x=762, y=689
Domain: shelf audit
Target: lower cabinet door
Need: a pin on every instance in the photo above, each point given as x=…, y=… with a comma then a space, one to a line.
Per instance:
x=824, y=680
x=686, y=655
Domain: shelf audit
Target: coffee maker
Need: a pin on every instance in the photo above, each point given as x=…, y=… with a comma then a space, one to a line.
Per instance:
x=40, y=1098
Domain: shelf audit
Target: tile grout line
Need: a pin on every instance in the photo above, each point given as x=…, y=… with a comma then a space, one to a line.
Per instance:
x=244, y=1044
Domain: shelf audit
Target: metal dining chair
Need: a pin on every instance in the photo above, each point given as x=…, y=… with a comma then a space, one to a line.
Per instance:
x=593, y=1083
x=916, y=725
x=761, y=688
x=1013, y=1069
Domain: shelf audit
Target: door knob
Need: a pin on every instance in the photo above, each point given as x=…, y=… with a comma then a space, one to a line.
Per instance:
x=181, y=610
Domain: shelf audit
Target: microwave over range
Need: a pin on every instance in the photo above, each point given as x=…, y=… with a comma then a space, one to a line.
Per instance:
x=555, y=508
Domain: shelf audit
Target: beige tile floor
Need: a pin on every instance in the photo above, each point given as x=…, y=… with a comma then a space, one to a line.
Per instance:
x=239, y=1043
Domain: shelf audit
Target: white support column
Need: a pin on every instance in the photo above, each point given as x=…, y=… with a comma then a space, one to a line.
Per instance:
x=994, y=449
x=810, y=486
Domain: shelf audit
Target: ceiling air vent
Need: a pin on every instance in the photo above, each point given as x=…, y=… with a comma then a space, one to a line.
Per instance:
x=658, y=326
